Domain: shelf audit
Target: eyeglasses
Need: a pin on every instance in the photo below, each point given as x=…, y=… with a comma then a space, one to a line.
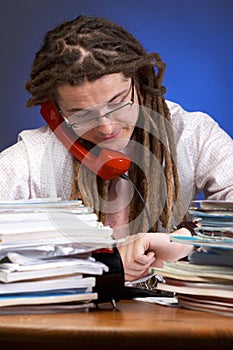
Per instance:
x=88, y=119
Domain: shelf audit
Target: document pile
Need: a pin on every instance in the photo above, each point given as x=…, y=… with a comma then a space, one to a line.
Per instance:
x=46, y=260
x=205, y=281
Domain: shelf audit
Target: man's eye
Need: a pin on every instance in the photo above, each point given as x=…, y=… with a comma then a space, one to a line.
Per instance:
x=81, y=114
x=115, y=105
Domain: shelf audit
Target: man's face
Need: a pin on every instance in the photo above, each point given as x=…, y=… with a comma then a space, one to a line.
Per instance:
x=101, y=111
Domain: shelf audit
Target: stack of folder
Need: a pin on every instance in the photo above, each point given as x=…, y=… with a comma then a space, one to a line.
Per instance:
x=46, y=260
x=205, y=281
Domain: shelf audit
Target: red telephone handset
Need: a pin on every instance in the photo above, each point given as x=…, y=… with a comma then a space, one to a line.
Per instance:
x=108, y=164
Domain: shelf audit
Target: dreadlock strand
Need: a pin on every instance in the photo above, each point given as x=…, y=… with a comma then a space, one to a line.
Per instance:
x=75, y=194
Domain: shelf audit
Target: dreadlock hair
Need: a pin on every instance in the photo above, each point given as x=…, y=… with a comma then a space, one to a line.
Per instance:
x=87, y=48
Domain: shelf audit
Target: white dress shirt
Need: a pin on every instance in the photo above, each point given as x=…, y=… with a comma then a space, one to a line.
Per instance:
x=39, y=166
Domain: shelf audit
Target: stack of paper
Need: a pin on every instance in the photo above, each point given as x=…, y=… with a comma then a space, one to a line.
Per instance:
x=36, y=222
x=45, y=255
x=205, y=281
x=215, y=218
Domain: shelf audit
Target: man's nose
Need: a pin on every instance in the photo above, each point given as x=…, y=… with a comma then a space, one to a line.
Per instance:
x=106, y=125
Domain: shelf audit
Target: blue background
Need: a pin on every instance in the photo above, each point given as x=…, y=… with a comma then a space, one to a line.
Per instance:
x=194, y=38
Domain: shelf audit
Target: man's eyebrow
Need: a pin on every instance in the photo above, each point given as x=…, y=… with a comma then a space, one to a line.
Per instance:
x=117, y=95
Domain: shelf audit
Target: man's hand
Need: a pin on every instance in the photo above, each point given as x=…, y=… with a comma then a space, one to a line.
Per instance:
x=143, y=250
x=135, y=256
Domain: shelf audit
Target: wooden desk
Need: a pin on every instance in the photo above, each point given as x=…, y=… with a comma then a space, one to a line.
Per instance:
x=134, y=325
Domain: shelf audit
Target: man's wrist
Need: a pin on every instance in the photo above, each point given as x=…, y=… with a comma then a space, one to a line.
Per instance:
x=189, y=225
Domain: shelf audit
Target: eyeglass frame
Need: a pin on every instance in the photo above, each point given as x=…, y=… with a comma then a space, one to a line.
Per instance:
x=131, y=102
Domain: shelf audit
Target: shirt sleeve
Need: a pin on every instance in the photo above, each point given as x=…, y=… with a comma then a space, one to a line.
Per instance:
x=214, y=171
x=211, y=150
x=206, y=154
x=14, y=173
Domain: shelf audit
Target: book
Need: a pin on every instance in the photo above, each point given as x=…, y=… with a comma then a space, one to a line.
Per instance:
x=204, y=241
x=212, y=256
x=195, y=290
x=49, y=284
x=46, y=298
x=184, y=270
x=21, y=267
x=187, y=276
x=69, y=307
x=208, y=304
x=212, y=205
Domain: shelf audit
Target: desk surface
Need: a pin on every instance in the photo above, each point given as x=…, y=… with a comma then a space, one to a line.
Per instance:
x=134, y=324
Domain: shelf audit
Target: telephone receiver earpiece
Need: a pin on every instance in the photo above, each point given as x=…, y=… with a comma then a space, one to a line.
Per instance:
x=108, y=164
